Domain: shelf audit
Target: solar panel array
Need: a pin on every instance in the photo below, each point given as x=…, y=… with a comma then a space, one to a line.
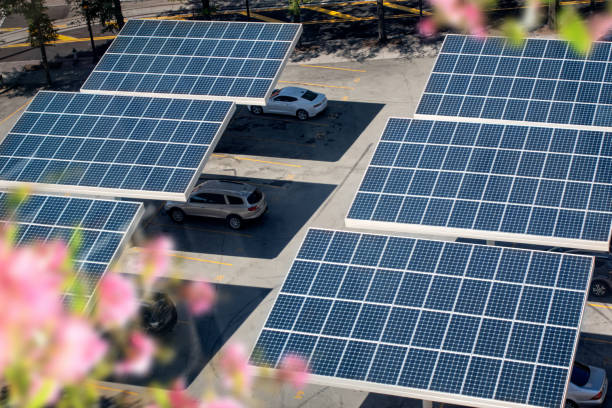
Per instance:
x=430, y=318
x=216, y=60
x=103, y=226
x=530, y=184
x=542, y=81
x=112, y=145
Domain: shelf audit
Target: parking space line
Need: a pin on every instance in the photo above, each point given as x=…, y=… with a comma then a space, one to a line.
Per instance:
x=596, y=340
x=329, y=12
x=319, y=85
x=102, y=387
x=336, y=68
x=404, y=8
x=174, y=255
x=256, y=160
x=261, y=17
x=600, y=305
x=18, y=109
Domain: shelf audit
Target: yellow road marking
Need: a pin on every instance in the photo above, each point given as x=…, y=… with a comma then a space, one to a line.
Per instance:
x=596, y=340
x=136, y=249
x=319, y=85
x=345, y=98
x=102, y=387
x=219, y=277
x=404, y=8
x=18, y=109
x=290, y=177
x=9, y=29
x=599, y=305
x=262, y=17
x=63, y=39
x=329, y=12
x=256, y=160
x=356, y=80
x=337, y=68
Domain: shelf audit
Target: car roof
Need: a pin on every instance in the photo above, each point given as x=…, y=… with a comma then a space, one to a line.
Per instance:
x=293, y=91
x=224, y=187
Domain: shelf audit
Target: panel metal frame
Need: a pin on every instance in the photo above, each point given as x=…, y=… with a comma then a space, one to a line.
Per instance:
x=237, y=100
x=400, y=391
x=454, y=233
x=118, y=192
x=497, y=121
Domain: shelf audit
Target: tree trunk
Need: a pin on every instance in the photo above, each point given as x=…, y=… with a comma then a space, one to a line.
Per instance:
x=118, y=13
x=206, y=8
x=248, y=11
x=45, y=63
x=553, y=7
x=420, y=8
x=380, y=12
x=91, y=37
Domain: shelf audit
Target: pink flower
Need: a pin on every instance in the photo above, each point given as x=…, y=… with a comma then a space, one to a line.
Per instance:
x=294, y=370
x=156, y=259
x=599, y=25
x=139, y=356
x=474, y=18
x=222, y=403
x=427, y=27
x=179, y=398
x=117, y=301
x=200, y=297
x=234, y=366
x=74, y=352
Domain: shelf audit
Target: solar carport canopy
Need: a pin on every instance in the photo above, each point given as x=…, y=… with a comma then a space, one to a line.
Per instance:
x=517, y=183
x=100, y=226
x=118, y=146
x=440, y=321
x=218, y=60
x=544, y=81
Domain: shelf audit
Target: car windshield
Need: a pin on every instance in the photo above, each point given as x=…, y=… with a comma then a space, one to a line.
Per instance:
x=580, y=374
x=309, y=96
x=254, y=197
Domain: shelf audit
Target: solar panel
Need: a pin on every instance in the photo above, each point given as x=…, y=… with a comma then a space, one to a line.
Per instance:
x=499, y=182
x=544, y=81
x=118, y=146
x=439, y=321
x=217, y=60
x=104, y=226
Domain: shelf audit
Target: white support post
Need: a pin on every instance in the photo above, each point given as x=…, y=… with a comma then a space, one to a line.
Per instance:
x=427, y=404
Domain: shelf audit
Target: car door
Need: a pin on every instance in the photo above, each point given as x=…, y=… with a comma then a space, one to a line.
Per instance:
x=275, y=105
x=208, y=205
x=289, y=106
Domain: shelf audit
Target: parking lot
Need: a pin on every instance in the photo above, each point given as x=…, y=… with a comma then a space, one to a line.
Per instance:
x=309, y=172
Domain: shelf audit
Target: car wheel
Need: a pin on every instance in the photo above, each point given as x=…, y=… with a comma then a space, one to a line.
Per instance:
x=177, y=215
x=599, y=288
x=570, y=404
x=234, y=221
x=256, y=110
x=302, y=114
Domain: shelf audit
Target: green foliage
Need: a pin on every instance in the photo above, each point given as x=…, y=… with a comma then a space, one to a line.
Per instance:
x=573, y=29
x=40, y=26
x=515, y=32
x=294, y=7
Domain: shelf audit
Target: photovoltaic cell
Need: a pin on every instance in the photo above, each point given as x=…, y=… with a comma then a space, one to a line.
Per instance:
x=519, y=183
x=216, y=60
x=543, y=81
x=102, y=226
x=121, y=146
x=479, y=333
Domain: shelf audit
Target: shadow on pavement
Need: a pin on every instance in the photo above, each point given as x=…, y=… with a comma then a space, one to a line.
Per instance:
x=325, y=137
x=196, y=339
x=290, y=205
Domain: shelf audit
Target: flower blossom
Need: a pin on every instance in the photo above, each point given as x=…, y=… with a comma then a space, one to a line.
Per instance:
x=139, y=356
x=294, y=370
x=200, y=297
x=234, y=366
x=117, y=301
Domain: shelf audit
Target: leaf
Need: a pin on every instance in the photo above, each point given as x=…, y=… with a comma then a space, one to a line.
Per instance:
x=514, y=31
x=573, y=29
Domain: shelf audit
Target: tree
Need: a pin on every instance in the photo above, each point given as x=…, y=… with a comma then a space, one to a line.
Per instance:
x=553, y=7
x=118, y=14
x=294, y=11
x=40, y=30
x=380, y=12
x=206, y=9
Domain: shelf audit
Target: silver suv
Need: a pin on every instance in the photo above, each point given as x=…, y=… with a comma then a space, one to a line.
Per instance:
x=232, y=200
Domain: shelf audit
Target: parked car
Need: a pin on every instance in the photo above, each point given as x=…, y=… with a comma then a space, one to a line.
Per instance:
x=293, y=101
x=158, y=313
x=233, y=201
x=588, y=386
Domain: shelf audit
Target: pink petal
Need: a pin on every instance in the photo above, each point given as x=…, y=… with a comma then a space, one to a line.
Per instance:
x=294, y=370
x=139, y=356
x=427, y=27
x=223, y=403
x=234, y=367
x=117, y=301
x=156, y=258
x=179, y=398
x=599, y=25
x=200, y=297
